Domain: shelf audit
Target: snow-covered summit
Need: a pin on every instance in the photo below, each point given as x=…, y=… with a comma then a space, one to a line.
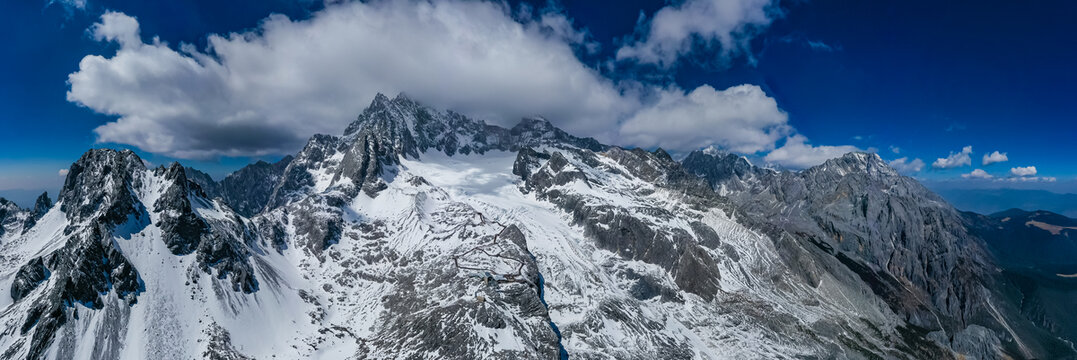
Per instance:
x=424, y=234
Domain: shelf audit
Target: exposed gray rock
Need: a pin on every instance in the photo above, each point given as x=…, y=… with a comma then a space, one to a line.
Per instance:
x=12, y=218
x=100, y=185
x=183, y=229
x=28, y=278
x=617, y=230
x=905, y=242
x=390, y=129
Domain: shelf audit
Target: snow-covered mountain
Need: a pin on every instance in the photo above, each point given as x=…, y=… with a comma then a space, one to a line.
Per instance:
x=425, y=234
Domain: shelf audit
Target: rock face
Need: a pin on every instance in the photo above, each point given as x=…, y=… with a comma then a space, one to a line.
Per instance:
x=248, y=189
x=906, y=242
x=424, y=234
x=108, y=196
x=12, y=218
x=400, y=128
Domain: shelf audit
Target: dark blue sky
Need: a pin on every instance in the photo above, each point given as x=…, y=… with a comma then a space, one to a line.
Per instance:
x=927, y=77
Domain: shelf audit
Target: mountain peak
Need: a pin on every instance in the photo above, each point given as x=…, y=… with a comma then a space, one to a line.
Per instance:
x=42, y=205
x=855, y=162
x=101, y=180
x=379, y=99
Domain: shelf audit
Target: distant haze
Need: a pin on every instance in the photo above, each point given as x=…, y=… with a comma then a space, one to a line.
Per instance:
x=987, y=201
x=25, y=198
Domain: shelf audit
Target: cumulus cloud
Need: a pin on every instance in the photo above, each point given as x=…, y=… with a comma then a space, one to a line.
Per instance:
x=994, y=157
x=977, y=174
x=895, y=149
x=740, y=119
x=267, y=90
x=118, y=27
x=954, y=160
x=1023, y=171
x=906, y=166
x=724, y=25
x=63, y=172
x=796, y=153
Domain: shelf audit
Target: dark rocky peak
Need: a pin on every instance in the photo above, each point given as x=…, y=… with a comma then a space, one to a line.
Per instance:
x=8, y=207
x=206, y=182
x=41, y=205
x=248, y=189
x=654, y=167
x=855, y=163
x=85, y=270
x=537, y=131
x=659, y=168
x=176, y=176
x=221, y=242
x=718, y=166
x=101, y=184
x=527, y=161
x=182, y=228
x=413, y=128
x=392, y=129
x=5, y=203
x=11, y=217
x=296, y=178
x=388, y=124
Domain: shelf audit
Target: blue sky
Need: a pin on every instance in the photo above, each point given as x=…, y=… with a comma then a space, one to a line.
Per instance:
x=811, y=79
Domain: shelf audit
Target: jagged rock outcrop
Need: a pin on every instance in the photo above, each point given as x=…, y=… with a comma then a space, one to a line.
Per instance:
x=425, y=234
x=906, y=242
x=392, y=129
x=107, y=197
x=220, y=244
x=246, y=190
x=97, y=196
x=12, y=218
x=617, y=230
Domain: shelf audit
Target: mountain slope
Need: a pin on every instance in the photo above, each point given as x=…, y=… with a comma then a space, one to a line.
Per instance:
x=906, y=242
x=425, y=234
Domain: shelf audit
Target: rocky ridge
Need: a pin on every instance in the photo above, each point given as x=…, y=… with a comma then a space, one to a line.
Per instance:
x=422, y=233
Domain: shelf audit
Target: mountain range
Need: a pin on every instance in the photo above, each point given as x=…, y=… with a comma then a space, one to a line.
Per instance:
x=425, y=234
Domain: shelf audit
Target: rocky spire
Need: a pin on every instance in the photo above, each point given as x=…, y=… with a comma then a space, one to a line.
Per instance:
x=41, y=205
x=100, y=184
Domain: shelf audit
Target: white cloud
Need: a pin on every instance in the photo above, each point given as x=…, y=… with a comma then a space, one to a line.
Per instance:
x=1023, y=171
x=895, y=149
x=63, y=172
x=796, y=153
x=118, y=27
x=905, y=166
x=954, y=160
x=995, y=157
x=977, y=174
x=268, y=90
x=740, y=119
x=676, y=30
